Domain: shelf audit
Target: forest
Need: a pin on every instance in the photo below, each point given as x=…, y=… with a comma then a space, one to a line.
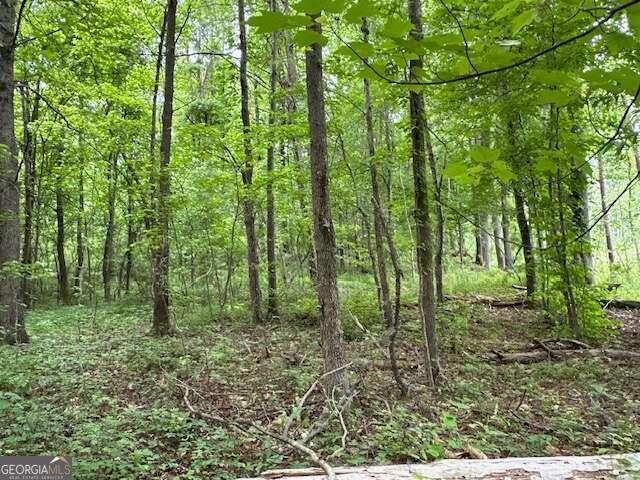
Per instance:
x=342, y=239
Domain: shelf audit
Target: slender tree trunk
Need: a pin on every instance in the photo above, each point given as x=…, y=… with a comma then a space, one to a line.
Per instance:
x=11, y=308
x=272, y=278
x=29, y=115
x=506, y=229
x=579, y=203
x=437, y=194
x=605, y=220
x=484, y=240
x=376, y=203
x=80, y=229
x=161, y=290
x=290, y=80
x=131, y=229
x=151, y=204
x=107, y=251
x=424, y=235
x=323, y=232
x=253, y=261
x=63, y=277
x=478, y=238
x=497, y=240
x=461, y=243
x=527, y=244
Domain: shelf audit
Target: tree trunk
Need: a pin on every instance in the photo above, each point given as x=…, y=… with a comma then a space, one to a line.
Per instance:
x=272, y=278
x=506, y=229
x=478, y=238
x=81, y=226
x=63, y=277
x=107, y=251
x=291, y=107
x=527, y=244
x=151, y=204
x=424, y=235
x=29, y=115
x=497, y=240
x=11, y=309
x=484, y=240
x=622, y=467
x=376, y=203
x=323, y=232
x=605, y=220
x=131, y=229
x=253, y=261
x=437, y=194
x=161, y=290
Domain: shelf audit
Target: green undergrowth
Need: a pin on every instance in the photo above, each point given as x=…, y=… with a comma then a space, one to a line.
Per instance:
x=95, y=385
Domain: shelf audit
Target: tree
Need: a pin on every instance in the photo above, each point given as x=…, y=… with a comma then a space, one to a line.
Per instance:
x=424, y=235
x=11, y=308
x=161, y=292
x=272, y=278
x=253, y=260
x=323, y=232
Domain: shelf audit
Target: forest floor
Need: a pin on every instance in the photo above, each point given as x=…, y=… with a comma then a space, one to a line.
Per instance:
x=95, y=385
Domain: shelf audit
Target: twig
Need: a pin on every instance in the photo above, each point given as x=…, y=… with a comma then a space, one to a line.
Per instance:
x=295, y=414
x=245, y=427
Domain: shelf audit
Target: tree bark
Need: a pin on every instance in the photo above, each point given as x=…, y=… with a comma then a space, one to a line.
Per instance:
x=29, y=115
x=131, y=228
x=11, y=308
x=253, y=261
x=161, y=289
x=437, y=194
x=497, y=241
x=527, y=244
x=478, y=238
x=506, y=229
x=605, y=220
x=424, y=235
x=323, y=232
x=81, y=226
x=107, y=251
x=272, y=278
x=623, y=467
x=376, y=203
x=63, y=277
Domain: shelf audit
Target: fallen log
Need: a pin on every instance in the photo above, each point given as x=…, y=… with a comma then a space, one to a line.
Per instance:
x=542, y=355
x=621, y=304
x=621, y=467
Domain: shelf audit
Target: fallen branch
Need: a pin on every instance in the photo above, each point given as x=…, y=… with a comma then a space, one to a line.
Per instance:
x=245, y=427
x=542, y=355
x=621, y=304
x=542, y=468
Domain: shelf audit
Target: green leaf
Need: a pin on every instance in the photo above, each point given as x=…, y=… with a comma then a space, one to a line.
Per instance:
x=456, y=170
x=633, y=16
x=317, y=6
x=545, y=164
x=362, y=9
x=502, y=171
x=557, y=97
x=362, y=49
x=522, y=20
x=551, y=77
x=396, y=28
x=508, y=9
x=483, y=154
x=268, y=22
x=306, y=38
